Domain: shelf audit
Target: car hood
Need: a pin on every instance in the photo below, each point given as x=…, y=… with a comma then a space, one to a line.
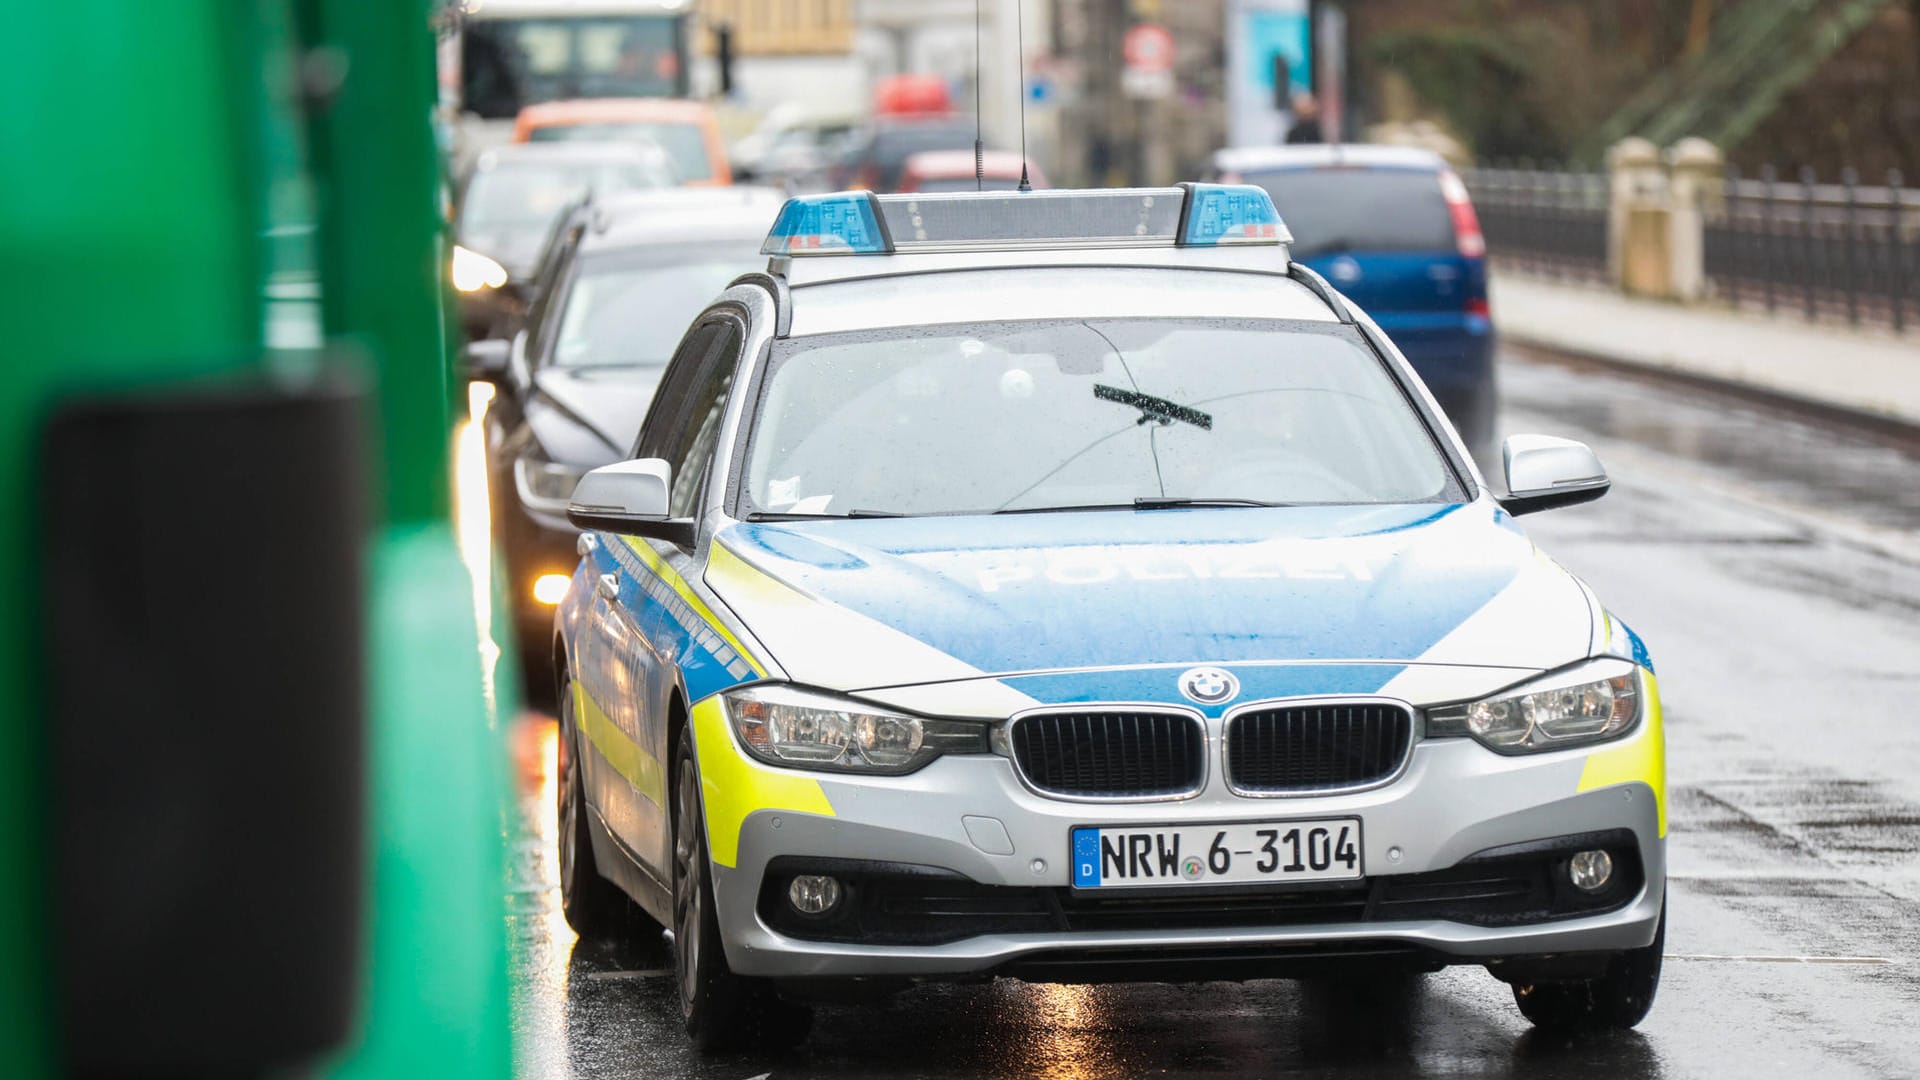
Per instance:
x=1096, y=605
x=608, y=402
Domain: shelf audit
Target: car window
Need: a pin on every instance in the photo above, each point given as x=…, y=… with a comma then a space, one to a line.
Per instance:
x=661, y=428
x=685, y=144
x=630, y=309
x=692, y=450
x=975, y=418
x=1335, y=210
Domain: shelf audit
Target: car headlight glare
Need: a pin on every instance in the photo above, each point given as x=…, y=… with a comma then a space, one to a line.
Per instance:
x=1593, y=702
x=785, y=725
x=473, y=271
x=545, y=485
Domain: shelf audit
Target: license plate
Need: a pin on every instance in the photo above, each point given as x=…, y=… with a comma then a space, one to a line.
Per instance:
x=1254, y=852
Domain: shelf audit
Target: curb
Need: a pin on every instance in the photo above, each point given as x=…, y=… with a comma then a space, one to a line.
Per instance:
x=1891, y=429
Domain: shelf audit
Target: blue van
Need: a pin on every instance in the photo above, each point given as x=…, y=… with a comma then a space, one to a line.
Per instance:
x=1392, y=228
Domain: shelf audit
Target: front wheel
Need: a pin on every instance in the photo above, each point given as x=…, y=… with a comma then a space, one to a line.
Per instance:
x=1615, y=1001
x=723, y=1011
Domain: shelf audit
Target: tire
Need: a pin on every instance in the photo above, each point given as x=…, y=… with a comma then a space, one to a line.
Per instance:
x=593, y=906
x=1616, y=1001
x=722, y=1011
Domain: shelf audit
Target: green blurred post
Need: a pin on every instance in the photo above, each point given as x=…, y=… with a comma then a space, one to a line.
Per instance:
x=130, y=209
x=436, y=994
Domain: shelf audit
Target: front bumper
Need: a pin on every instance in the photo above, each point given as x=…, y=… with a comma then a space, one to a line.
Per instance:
x=971, y=816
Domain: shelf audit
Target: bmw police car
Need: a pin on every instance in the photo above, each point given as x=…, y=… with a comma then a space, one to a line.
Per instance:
x=1069, y=586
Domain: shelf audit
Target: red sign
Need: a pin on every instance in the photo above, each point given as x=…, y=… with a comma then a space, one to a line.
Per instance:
x=1149, y=47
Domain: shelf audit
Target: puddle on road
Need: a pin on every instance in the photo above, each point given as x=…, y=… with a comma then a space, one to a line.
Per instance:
x=1851, y=474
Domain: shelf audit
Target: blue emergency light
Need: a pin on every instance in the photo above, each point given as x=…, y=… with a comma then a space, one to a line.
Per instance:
x=861, y=223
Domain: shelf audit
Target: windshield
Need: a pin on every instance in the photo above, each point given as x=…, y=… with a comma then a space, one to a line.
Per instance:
x=522, y=197
x=1336, y=210
x=507, y=64
x=685, y=144
x=631, y=310
x=1056, y=414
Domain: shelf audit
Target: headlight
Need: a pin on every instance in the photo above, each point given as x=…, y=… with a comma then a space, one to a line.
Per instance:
x=545, y=485
x=1594, y=702
x=473, y=271
x=804, y=729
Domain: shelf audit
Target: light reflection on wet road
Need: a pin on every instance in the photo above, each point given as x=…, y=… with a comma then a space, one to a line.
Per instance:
x=1774, y=568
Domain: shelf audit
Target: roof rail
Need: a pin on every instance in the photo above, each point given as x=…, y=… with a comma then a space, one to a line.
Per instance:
x=1321, y=289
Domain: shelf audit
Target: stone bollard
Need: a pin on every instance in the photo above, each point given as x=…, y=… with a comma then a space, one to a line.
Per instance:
x=1639, y=212
x=1697, y=178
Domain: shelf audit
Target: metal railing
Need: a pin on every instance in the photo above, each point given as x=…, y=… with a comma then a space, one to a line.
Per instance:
x=1543, y=221
x=1827, y=250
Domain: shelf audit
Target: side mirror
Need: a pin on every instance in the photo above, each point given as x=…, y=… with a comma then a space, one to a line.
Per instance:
x=630, y=498
x=1544, y=472
x=486, y=360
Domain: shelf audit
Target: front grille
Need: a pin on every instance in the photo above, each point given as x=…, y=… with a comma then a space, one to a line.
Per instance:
x=1304, y=748
x=1111, y=754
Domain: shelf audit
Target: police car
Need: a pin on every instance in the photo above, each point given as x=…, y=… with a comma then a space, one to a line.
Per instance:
x=1069, y=586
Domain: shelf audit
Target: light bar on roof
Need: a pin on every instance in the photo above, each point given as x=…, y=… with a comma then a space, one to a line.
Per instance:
x=1191, y=215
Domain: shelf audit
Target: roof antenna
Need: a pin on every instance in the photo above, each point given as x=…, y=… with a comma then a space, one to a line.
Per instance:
x=1020, y=28
x=979, y=147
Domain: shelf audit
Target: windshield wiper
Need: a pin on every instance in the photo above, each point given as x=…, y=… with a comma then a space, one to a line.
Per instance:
x=768, y=515
x=1151, y=502
x=1174, y=502
x=1154, y=408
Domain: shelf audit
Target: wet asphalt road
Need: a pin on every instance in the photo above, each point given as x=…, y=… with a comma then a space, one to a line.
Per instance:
x=1772, y=565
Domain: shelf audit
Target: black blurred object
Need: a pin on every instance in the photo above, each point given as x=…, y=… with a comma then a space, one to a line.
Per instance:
x=1282, y=83
x=723, y=53
x=204, y=589
x=1306, y=130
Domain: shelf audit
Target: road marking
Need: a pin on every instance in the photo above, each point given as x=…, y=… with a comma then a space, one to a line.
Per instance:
x=638, y=973
x=1872, y=960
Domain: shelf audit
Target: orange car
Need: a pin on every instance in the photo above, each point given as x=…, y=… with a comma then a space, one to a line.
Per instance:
x=686, y=130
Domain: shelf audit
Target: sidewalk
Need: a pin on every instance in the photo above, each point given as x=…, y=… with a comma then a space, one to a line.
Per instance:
x=1868, y=371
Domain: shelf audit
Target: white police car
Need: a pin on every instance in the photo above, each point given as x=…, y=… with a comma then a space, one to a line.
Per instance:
x=1068, y=586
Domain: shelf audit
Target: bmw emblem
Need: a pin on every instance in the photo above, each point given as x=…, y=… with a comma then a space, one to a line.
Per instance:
x=1209, y=685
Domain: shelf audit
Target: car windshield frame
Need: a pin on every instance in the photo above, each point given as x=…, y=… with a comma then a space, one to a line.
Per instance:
x=735, y=499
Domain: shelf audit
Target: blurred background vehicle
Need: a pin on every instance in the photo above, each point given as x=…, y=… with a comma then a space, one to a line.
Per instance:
x=686, y=130
x=504, y=55
x=621, y=281
x=794, y=145
x=954, y=170
x=1392, y=228
x=877, y=157
x=506, y=207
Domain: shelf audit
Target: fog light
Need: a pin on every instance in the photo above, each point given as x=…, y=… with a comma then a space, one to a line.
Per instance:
x=1590, y=870
x=813, y=894
x=550, y=589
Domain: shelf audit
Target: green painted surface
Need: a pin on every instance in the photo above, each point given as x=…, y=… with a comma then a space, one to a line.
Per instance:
x=381, y=238
x=129, y=214
x=153, y=191
x=436, y=998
